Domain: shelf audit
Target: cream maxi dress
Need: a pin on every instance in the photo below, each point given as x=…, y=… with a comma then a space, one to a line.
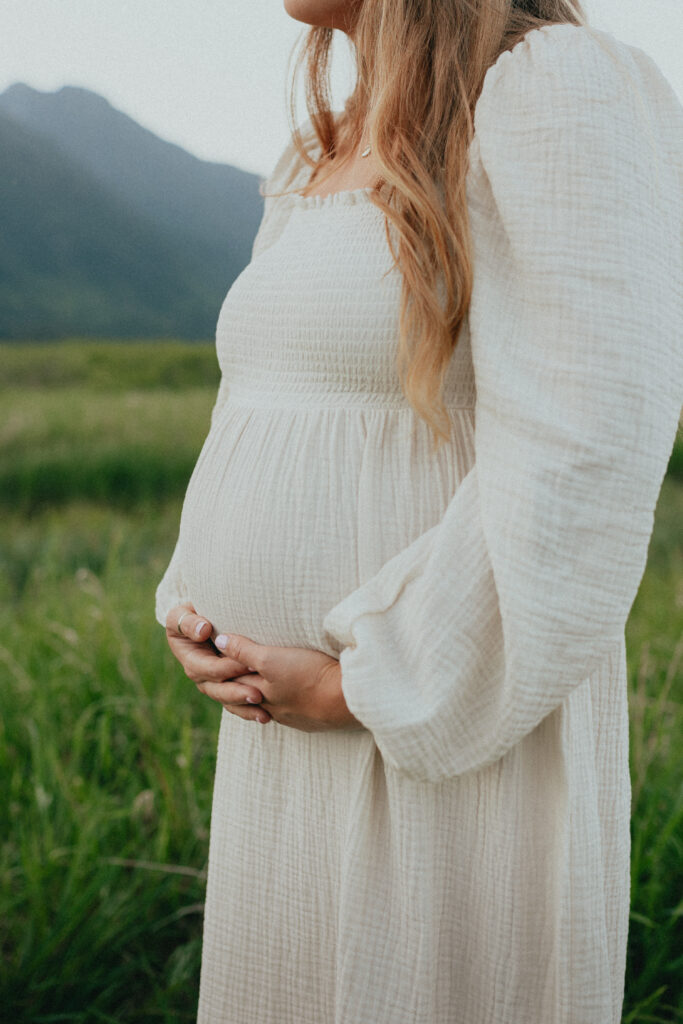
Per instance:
x=463, y=856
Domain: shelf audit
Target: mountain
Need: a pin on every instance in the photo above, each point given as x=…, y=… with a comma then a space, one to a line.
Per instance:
x=216, y=201
x=75, y=260
x=106, y=229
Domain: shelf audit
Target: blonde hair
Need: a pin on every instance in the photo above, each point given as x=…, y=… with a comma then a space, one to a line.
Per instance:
x=420, y=66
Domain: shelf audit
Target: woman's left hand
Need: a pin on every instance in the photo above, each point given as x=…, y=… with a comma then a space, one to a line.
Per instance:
x=301, y=687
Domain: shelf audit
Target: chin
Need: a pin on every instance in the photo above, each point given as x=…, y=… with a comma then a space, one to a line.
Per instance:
x=317, y=12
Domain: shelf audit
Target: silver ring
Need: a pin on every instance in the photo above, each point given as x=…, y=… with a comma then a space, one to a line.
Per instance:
x=179, y=622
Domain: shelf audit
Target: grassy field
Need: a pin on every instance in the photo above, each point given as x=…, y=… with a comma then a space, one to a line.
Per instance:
x=106, y=754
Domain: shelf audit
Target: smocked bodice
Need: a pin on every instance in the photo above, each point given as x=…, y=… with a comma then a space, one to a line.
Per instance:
x=327, y=298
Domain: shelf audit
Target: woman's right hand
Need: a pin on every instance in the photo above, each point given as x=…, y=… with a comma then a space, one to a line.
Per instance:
x=203, y=663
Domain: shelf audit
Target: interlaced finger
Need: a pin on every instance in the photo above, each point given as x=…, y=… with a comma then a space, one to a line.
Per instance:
x=202, y=664
x=234, y=698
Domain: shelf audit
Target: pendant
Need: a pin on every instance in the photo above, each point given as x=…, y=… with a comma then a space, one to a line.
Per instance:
x=366, y=151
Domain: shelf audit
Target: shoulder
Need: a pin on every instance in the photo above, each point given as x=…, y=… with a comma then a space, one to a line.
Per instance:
x=286, y=174
x=563, y=69
x=289, y=163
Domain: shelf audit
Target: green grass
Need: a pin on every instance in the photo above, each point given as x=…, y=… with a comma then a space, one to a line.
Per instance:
x=126, y=447
x=655, y=654
x=105, y=421
x=107, y=751
x=111, y=366
x=106, y=760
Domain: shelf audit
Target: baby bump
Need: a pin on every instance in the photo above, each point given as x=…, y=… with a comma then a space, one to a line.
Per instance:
x=288, y=511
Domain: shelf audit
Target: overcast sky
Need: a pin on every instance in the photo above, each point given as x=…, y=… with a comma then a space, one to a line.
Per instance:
x=210, y=75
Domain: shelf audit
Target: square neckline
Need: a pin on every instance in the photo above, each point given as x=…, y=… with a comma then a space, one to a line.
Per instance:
x=343, y=197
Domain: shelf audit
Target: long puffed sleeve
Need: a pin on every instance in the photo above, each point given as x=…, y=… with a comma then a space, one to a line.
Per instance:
x=464, y=641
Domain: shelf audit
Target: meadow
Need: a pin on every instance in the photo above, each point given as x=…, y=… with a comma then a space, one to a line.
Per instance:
x=107, y=751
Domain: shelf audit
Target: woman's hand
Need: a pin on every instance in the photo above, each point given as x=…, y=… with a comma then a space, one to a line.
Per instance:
x=301, y=687
x=192, y=646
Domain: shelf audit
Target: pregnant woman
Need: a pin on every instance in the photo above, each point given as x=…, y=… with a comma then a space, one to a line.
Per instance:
x=451, y=380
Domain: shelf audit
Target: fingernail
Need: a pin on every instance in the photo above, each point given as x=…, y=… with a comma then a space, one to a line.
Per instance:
x=221, y=641
x=262, y=719
x=199, y=627
x=251, y=700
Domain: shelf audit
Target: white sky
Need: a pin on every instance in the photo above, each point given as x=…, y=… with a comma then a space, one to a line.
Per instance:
x=210, y=75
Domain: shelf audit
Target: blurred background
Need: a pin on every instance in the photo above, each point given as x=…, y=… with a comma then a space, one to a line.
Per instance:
x=133, y=137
